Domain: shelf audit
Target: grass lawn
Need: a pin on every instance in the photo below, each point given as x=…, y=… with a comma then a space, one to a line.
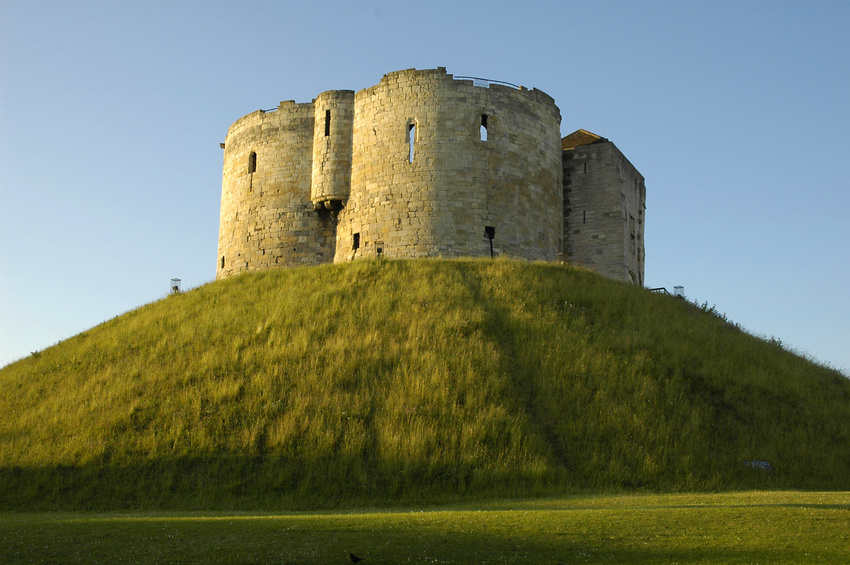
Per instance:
x=748, y=527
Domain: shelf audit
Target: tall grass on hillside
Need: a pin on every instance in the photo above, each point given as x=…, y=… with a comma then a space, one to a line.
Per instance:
x=409, y=381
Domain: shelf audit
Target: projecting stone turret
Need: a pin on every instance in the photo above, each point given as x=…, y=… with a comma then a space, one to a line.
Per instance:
x=331, y=183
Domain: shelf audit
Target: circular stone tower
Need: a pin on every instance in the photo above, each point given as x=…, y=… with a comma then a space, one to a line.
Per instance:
x=442, y=167
x=267, y=216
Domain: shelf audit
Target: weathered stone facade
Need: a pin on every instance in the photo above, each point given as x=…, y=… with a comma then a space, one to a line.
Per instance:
x=604, y=205
x=419, y=165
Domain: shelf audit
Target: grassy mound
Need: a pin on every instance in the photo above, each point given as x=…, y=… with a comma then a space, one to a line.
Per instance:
x=406, y=381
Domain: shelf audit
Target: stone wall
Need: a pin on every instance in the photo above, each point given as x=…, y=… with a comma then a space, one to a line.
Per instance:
x=267, y=216
x=452, y=190
x=604, y=207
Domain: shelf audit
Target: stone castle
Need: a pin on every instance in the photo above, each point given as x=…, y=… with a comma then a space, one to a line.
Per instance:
x=425, y=164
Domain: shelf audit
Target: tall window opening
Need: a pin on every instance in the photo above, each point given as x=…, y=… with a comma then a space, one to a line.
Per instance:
x=356, y=243
x=252, y=162
x=222, y=261
x=483, y=129
x=327, y=123
x=411, y=138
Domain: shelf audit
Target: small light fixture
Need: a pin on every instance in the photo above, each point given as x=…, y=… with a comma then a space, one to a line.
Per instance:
x=490, y=233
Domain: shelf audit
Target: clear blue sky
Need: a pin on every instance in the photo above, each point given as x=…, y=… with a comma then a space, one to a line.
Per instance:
x=111, y=114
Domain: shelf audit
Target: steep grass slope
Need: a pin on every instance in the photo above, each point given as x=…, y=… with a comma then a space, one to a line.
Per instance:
x=405, y=381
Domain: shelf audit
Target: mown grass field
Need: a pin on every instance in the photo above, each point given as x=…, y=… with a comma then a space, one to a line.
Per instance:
x=751, y=527
x=380, y=383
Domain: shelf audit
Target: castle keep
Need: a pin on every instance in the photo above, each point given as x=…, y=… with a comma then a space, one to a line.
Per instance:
x=424, y=164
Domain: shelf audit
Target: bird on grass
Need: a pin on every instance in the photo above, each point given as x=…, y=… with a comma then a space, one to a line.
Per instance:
x=354, y=558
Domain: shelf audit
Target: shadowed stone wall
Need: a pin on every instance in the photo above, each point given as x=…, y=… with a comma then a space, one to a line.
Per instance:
x=604, y=209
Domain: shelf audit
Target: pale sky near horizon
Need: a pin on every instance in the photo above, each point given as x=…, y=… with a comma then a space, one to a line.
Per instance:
x=736, y=113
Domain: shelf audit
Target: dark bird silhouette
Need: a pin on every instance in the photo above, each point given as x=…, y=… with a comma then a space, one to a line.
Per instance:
x=354, y=558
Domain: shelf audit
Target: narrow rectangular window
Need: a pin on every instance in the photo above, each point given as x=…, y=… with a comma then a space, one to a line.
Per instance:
x=327, y=123
x=356, y=243
x=411, y=138
x=252, y=162
x=222, y=261
x=483, y=129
